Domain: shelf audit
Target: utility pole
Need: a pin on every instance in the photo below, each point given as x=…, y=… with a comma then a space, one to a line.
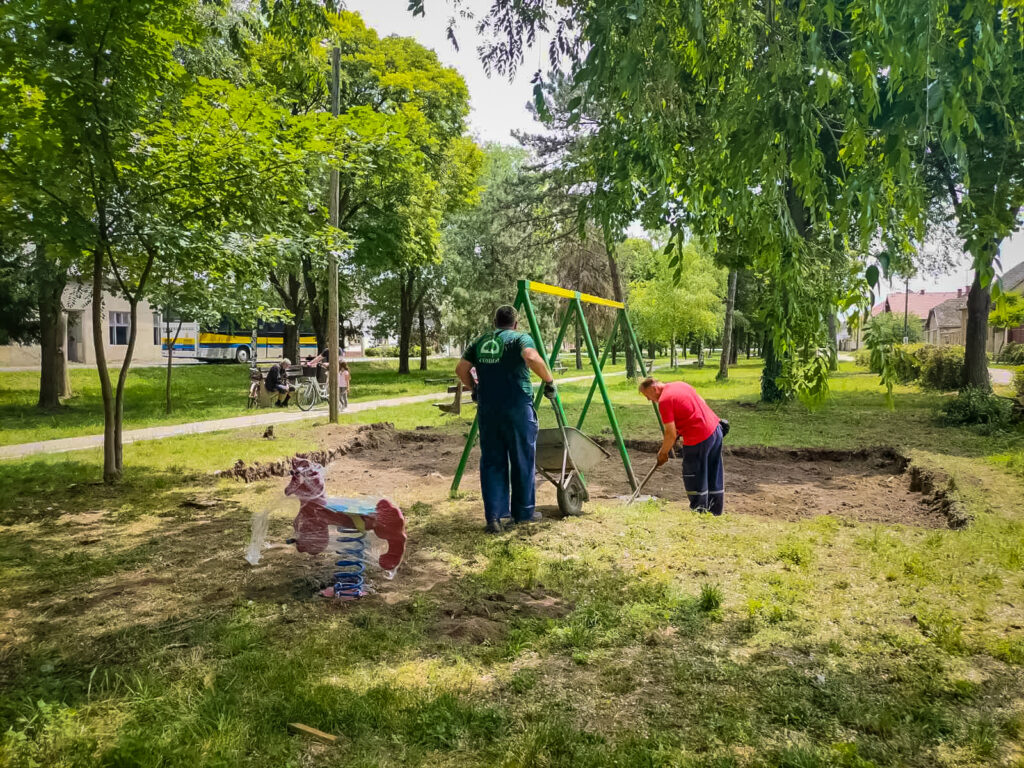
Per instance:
x=906, y=311
x=332, y=273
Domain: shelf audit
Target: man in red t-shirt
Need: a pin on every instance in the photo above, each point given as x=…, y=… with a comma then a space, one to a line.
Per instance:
x=684, y=414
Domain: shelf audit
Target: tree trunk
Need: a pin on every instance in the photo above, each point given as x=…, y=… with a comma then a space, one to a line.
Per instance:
x=407, y=312
x=770, y=392
x=619, y=294
x=673, y=361
x=51, y=373
x=833, y=341
x=700, y=353
x=111, y=468
x=975, y=355
x=317, y=310
x=290, y=341
x=122, y=378
x=63, y=374
x=734, y=347
x=727, y=340
x=423, y=338
x=650, y=350
x=294, y=301
x=170, y=357
x=579, y=343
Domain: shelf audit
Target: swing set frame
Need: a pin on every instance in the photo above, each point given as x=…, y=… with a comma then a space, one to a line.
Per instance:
x=573, y=311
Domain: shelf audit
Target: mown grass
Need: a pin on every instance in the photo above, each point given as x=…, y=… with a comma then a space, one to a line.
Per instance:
x=680, y=640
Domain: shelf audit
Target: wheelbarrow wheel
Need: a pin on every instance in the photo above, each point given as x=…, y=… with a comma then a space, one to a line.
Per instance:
x=572, y=496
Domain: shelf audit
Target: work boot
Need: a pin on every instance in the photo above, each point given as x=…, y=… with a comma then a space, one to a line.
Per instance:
x=493, y=526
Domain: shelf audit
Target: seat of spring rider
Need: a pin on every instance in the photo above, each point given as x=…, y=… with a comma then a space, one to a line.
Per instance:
x=584, y=453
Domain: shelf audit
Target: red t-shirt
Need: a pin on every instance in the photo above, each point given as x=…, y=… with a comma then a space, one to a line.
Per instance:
x=681, y=404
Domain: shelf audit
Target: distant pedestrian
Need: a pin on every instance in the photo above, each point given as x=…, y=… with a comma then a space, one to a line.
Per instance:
x=344, y=379
x=685, y=415
x=277, y=382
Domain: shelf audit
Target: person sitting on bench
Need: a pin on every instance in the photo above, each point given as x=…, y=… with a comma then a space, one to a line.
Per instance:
x=277, y=382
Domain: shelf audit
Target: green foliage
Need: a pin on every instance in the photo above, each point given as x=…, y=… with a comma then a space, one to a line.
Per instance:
x=942, y=368
x=710, y=598
x=1018, y=383
x=682, y=298
x=887, y=328
x=976, y=406
x=1008, y=311
x=1012, y=354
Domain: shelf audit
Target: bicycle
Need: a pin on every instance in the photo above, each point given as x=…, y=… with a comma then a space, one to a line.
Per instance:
x=310, y=393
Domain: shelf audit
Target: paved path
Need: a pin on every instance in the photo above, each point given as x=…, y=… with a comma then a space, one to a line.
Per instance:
x=261, y=419
x=1001, y=376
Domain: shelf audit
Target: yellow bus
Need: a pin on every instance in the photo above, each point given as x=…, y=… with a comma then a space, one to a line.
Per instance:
x=232, y=342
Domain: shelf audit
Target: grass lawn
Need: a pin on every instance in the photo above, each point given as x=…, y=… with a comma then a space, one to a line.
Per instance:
x=199, y=393
x=134, y=633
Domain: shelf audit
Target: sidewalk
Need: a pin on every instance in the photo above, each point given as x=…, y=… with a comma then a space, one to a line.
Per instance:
x=261, y=419
x=1000, y=376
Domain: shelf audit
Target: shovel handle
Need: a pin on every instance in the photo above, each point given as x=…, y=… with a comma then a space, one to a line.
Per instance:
x=642, y=484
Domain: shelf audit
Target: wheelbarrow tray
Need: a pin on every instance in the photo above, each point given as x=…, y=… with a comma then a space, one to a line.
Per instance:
x=584, y=453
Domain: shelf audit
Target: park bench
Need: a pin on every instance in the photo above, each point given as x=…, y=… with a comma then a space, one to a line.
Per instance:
x=439, y=380
x=649, y=364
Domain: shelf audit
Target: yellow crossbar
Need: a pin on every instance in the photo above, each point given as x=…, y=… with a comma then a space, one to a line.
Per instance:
x=565, y=293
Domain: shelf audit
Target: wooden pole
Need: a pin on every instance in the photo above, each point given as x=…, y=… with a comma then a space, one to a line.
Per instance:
x=332, y=277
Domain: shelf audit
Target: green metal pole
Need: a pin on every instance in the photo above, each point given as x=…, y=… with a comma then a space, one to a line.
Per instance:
x=554, y=351
x=593, y=384
x=604, y=393
x=465, y=456
x=640, y=362
x=531, y=318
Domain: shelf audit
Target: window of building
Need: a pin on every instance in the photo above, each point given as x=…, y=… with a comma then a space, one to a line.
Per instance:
x=119, y=322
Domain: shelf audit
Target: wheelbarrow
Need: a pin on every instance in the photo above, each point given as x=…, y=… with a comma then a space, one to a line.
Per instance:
x=564, y=455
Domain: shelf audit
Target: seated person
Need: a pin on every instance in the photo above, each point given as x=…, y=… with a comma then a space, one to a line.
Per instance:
x=277, y=382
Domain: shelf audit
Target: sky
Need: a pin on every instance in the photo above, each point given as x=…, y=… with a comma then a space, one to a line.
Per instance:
x=499, y=106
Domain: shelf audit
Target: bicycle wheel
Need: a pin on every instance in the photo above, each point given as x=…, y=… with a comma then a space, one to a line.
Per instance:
x=307, y=396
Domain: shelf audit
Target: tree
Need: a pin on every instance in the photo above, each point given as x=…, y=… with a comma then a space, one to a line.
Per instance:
x=114, y=151
x=510, y=234
x=799, y=121
x=666, y=309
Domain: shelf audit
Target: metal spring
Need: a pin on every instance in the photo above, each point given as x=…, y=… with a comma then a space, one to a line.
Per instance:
x=349, y=579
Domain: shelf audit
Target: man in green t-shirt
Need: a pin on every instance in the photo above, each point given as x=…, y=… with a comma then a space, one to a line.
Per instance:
x=503, y=359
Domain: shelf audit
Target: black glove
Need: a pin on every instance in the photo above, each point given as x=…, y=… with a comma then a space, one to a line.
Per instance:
x=549, y=390
x=725, y=426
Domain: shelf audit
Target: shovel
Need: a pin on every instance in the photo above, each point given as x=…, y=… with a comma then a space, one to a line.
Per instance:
x=640, y=487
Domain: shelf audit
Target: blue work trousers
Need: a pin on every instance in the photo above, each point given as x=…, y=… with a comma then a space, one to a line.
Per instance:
x=703, y=475
x=508, y=447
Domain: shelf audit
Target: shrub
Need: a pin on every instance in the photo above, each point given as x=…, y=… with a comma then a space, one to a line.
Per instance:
x=942, y=368
x=1012, y=354
x=908, y=359
x=976, y=406
x=863, y=358
x=1018, y=383
x=887, y=328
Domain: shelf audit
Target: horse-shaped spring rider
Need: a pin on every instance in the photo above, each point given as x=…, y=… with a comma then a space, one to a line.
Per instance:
x=364, y=528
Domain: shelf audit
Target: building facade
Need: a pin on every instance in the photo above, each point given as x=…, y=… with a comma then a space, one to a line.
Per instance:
x=78, y=344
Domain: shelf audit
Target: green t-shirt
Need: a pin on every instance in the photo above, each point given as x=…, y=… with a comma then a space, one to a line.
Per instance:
x=501, y=372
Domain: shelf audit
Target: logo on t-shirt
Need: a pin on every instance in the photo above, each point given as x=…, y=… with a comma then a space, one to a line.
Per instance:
x=489, y=350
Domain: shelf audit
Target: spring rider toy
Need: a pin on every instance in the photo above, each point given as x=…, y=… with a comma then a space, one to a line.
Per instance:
x=365, y=529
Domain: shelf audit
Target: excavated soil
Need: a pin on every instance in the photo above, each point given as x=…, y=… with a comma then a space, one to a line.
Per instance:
x=876, y=485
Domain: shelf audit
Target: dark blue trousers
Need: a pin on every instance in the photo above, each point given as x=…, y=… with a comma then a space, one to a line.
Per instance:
x=703, y=475
x=508, y=447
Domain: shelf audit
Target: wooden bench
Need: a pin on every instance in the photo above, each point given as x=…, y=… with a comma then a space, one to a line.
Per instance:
x=443, y=380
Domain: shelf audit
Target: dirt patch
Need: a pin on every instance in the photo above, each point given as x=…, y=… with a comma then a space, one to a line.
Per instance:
x=486, y=620
x=366, y=437
x=870, y=485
